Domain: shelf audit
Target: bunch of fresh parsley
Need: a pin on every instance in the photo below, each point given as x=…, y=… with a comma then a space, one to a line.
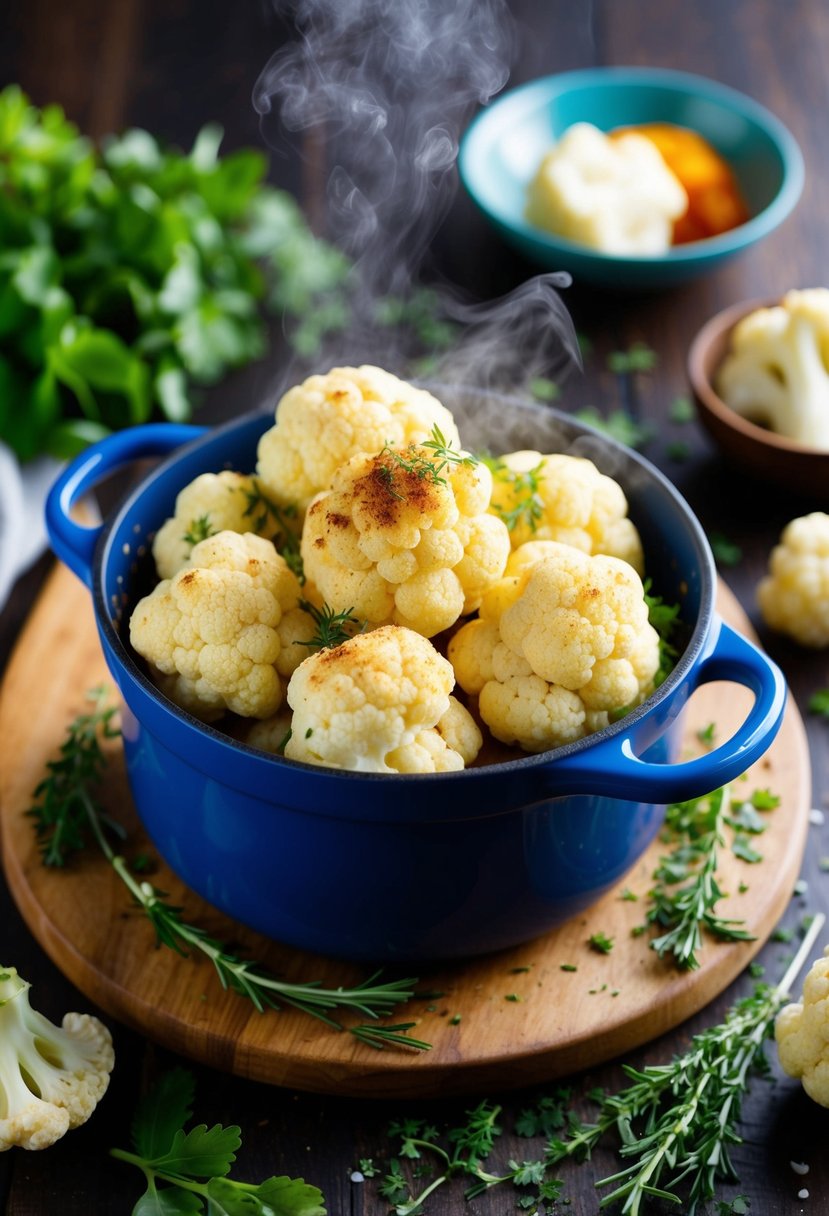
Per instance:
x=131, y=272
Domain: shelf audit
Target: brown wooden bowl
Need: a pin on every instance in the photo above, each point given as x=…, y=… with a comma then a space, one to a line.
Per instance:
x=793, y=466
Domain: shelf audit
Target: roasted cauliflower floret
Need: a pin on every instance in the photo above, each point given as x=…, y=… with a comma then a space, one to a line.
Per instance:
x=221, y=632
x=566, y=499
x=802, y=1033
x=379, y=703
x=51, y=1077
x=214, y=502
x=323, y=422
x=794, y=596
x=559, y=646
x=403, y=537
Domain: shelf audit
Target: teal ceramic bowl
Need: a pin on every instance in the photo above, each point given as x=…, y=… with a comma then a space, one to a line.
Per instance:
x=505, y=144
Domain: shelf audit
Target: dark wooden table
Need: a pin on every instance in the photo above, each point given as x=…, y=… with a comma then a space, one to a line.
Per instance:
x=172, y=65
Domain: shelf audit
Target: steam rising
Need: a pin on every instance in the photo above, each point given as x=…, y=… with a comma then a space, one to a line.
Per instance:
x=388, y=86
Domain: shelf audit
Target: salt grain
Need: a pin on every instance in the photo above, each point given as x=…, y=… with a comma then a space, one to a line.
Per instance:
x=799, y=1167
x=817, y=817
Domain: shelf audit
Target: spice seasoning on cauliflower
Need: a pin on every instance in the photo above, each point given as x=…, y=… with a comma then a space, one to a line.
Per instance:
x=323, y=422
x=221, y=632
x=615, y=195
x=51, y=1077
x=775, y=373
x=566, y=499
x=802, y=1033
x=794, y=596
x=558, y=647
x=381, y=703
x=403, y=537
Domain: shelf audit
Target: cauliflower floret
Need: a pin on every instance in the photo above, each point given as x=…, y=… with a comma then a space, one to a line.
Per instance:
x=323, y=422
x=214, y=502
x=222, y=630
x=794, y=596
x=379, y=703
x=565, y=499
x=802, y=1033
x=776, y=371
x=563, y=643
x=616, y=195
x=404, y=538
x=51, y=1078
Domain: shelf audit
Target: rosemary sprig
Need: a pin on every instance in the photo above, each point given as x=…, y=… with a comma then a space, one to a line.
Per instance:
x=332, y=627
x=199, y=529
x=264, y=512
x=67, y=810
x=525, y=488
x=61, y=813
x=445, y=453
x=683, y=911
x=678, y=1121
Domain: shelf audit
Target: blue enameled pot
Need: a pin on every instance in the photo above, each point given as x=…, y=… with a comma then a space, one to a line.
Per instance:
x=382, y=867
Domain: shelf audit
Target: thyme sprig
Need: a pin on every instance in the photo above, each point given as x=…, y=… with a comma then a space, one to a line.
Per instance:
x=264, y=513
x=333, y=628
x=67, y=812
x=424, y=468
x=527, y=507
x=685, y=910
x=198, y=529
x=677, y=1122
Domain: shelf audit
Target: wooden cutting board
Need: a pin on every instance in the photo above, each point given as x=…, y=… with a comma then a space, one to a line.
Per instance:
x=523, y=1019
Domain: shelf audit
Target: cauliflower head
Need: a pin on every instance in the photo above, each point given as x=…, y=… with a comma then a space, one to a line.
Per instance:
x=323, y=422
x=557, y=648
x=402, y=539
x=220, y=634
x=794, y=596
x=566, y=499
x=615, y=195
x=212, y=503
x=380, y=703
x=776, y=371
x=51, y=1077
x=802, y=1033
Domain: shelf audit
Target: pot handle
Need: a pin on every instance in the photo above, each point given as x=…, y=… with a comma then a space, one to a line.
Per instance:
x=73, y=543
x=611, y=767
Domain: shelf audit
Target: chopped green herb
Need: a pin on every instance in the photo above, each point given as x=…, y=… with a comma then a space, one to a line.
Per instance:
x=782, y=935
x=678, y=450
x=682, y=410
x=637, y=358
x=756, y=970
x=309, y=732
x=367, y=1167
x=743, y=848
x=568, y=967
x=823, y=865
x=764, y=800
x=198, y=530
x=514, y=997
x=629, y=896
x=801, y=887
x=819, y=703
x=726, y=553
x=618, y=424
x=600, y=942
x=544, y=390
x=742, y=888
x=707, y=733
x=281, y=745
x=526, y=506
x=455, y=1020
x=518, y=970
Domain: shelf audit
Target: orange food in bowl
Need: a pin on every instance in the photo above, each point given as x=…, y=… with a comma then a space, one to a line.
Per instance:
x=715, y=203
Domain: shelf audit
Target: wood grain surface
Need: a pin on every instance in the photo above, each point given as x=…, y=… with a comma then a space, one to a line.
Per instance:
x=557, y=1022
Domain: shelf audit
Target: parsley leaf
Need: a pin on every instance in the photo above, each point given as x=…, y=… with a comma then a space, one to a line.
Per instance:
x=160, y=1114
x=819, y=703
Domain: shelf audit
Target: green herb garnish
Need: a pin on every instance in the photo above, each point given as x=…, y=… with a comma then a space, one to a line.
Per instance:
x=637, y=358
x=618, y=424
x=819, y=703
x=198, y=530
x=527, y=507
x=726, y=553
x=682, y=410
x=185, y=1169
x=600, y=942
x=67, y=814
x=281, y=521
x=333, y=628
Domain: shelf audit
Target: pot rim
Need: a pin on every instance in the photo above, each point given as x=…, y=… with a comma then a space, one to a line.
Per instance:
x=523, y=764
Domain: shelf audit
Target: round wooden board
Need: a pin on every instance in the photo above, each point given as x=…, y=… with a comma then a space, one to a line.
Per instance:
x=560, y=1022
